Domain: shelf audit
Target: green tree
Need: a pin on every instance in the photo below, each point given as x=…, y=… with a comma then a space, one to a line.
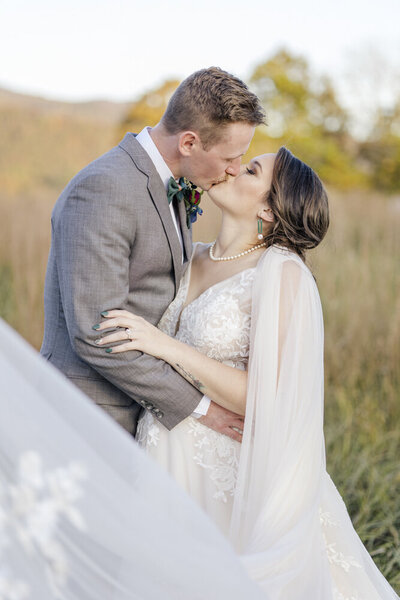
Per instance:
x=304, y=113
x=380, y=153
x=298, y=102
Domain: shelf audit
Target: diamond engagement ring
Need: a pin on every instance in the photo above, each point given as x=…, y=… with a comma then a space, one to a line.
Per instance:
x=129, y=333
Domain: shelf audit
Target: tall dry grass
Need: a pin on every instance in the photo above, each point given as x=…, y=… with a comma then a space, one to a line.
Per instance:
x=24, y=246
x=358, y=274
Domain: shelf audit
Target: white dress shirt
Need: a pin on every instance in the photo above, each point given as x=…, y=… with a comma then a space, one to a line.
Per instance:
x=165, y=174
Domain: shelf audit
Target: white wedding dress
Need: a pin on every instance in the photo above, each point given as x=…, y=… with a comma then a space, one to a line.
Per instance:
x=271, y=495
x=204, y=462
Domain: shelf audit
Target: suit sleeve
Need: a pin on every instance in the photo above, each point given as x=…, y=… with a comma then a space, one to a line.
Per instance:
x=93, y=234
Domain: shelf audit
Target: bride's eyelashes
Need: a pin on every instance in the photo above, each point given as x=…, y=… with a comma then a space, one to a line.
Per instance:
x=250, y=171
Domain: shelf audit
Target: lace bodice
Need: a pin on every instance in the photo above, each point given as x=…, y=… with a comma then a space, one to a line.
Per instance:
x=216, y=323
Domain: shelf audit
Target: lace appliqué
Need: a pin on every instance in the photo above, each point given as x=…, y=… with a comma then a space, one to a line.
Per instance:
x=335, y=557
x=30, y=512
x=219, y=455
x=217, y=323
x=338, y=558
x=326, y=519
x=339, y=596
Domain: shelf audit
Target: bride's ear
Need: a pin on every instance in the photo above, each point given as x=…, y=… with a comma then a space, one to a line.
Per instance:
x=266, y=214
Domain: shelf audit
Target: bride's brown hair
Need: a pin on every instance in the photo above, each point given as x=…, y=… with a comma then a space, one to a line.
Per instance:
x=299, y=204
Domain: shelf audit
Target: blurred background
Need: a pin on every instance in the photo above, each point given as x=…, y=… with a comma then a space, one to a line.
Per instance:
x=76, y=76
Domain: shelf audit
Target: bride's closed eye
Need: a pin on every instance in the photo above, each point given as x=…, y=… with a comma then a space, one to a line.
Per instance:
x=250, y=171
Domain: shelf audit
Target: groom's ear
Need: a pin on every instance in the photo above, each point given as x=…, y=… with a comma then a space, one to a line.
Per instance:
x=187, y=141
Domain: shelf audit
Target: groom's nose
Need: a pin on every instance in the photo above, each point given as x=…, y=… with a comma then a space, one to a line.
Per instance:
x=234, y=167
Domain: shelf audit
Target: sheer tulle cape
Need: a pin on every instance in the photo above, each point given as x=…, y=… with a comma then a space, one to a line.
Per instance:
x=289, y=522
x=84, y=514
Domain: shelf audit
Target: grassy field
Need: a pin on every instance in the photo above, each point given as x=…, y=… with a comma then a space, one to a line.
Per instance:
x=357, y=271
x=359, y=278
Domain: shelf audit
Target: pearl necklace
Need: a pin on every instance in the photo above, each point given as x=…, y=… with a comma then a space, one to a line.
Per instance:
x=210, y=252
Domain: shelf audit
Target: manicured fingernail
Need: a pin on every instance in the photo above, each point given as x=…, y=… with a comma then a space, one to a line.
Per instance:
x=104, y=313
x=108, y=350
x=96, y=326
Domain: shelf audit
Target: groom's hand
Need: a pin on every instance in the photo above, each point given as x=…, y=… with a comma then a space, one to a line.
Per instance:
x=224, y=421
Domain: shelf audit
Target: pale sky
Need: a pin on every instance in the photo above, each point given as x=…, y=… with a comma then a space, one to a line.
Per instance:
x=116, y=49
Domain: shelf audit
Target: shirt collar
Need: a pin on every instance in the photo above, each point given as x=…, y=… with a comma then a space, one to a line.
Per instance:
x=149, y=146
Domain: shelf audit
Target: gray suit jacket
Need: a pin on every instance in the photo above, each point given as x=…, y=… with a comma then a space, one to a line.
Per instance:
x=114, y=245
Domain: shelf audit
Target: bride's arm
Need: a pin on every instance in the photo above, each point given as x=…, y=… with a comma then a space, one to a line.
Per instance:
x=223, y=384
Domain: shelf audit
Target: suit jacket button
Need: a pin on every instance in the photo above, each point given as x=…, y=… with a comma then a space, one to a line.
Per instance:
x=160, y=414
x=149, y=406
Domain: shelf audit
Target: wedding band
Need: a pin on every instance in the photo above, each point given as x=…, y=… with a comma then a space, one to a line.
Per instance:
x=129, y=333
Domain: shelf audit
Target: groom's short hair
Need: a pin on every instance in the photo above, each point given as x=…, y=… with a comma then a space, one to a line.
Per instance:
x=209, y=100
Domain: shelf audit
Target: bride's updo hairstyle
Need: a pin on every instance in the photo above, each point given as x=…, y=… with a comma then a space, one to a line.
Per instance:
x=299, y=204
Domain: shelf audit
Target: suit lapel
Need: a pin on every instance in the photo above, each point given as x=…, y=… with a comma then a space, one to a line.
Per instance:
x=159, y=198
x=186, y=231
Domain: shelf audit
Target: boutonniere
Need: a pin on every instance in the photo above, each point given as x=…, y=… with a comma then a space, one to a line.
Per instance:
x=187, y=191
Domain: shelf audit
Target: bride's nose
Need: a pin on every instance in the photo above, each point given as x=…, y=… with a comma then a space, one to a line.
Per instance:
x=234, y=167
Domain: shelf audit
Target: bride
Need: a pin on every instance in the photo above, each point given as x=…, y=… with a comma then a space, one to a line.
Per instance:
x=246, y=329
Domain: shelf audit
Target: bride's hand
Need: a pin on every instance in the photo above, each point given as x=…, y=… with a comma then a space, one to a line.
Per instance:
x=134, y=331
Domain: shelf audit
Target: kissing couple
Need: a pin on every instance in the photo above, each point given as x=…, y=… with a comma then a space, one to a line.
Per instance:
x=211, y=355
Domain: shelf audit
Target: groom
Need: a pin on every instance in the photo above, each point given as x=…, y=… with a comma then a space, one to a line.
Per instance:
x=117, y=243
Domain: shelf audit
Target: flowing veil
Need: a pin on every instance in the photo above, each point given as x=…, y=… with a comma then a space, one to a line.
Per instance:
x=84, y=514
x=289, y=522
